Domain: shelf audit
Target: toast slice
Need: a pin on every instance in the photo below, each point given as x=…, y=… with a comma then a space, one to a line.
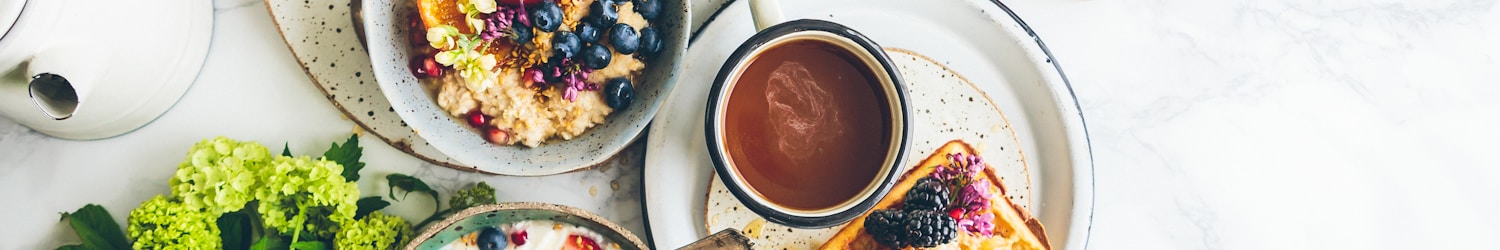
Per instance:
x=1014, y=227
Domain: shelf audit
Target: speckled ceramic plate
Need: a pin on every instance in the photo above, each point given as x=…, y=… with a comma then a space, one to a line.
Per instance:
x=945, y=107
x=982, y=40
x=389, y=55
x=321, y=35
x=470, y=220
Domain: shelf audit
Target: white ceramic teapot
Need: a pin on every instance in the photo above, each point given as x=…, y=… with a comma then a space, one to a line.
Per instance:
x=90, y=69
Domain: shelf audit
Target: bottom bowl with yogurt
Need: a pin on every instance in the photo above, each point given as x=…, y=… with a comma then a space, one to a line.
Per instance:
x=525, y=225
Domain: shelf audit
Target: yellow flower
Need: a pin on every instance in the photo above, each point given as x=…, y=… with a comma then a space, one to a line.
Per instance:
x=481, y=6
x=475, y=68
x=442, y=37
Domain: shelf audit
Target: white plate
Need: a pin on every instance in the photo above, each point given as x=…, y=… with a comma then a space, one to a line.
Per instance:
x=982, y=40
x=944, y=107
x=389, y=56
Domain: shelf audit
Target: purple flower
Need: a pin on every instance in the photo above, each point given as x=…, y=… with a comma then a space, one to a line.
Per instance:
x=520, y=15
x=535, y=75
x=575, y=82
x=970, y=164
x=947, y=174
x=974, y=197
x=496, y=24
x=963, y=167
x=979, y=223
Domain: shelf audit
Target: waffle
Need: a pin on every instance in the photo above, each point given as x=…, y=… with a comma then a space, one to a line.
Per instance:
x=1015, y=228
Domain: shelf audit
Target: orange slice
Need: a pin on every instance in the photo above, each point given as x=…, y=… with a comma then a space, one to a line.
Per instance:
x=442, y=12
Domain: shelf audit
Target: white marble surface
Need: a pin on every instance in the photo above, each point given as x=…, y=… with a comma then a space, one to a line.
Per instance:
x=1236, y=124
x=1286, y=124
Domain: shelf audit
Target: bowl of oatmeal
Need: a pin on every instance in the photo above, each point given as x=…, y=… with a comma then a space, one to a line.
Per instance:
x=525, y=225
x=526, y=87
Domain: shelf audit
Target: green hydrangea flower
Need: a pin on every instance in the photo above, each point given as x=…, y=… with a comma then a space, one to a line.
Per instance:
x=306, y=194
x=479, y=194
x=376, y=231
x=160, y=223
x=218, y=175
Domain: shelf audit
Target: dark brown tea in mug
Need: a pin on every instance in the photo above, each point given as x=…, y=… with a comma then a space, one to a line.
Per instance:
x=806, y=125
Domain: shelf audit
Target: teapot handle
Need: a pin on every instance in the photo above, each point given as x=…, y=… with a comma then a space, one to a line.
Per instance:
x=62, y=77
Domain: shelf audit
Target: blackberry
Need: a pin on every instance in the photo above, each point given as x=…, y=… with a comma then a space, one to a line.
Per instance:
x=888, y=227
x=929, y=194
x=929, y=228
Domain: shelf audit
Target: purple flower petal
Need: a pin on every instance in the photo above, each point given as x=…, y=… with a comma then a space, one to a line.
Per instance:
x=520, y=16
x=535, y=75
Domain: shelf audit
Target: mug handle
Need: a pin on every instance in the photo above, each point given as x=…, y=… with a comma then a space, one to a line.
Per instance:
x=766, y=13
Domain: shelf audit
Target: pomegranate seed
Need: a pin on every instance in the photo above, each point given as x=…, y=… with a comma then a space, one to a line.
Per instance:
x=416, y=31
x=582, y=243
x=519, y=238
x=478, y=119
x=425, y=67
x=956, y=213
x=497, y=136
x=519, y=2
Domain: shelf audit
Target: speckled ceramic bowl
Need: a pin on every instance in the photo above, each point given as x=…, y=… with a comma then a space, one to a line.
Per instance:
x=470, y=220
x=389, y=55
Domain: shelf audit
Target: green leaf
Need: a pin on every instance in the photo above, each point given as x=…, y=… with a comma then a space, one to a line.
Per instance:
x=309, y=245
x=96, y=228
x=412, y=184
x=368, y=205
x=73, y=247
x=408, y=184
x=286, y=149
x=268, y=242
x=348, y=156
x=234, y=229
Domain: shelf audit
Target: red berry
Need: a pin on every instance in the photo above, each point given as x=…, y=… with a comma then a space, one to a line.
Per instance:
x=956, y=213
x=416, y=31
x=478, y=119
x=581, y=243
x=519, y=2
x=424, y=67
x=496, y=136
x=519, y=237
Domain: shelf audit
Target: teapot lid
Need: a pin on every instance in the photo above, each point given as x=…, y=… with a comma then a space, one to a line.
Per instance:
x=10, y=10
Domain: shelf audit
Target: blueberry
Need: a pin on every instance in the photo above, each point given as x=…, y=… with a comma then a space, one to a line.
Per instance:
x=648, y=8
x=565, y=45
x=546, y=16
x=623, y=37
x=491, y=238
x=604, y=13
x=521, y=34
x=587, y=32
x=618, y=93
x=650, y=41
x=552, y=70
x=595, y=56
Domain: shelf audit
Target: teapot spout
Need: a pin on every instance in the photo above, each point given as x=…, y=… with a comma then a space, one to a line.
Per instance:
x=54, y=95
x=61, y=78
